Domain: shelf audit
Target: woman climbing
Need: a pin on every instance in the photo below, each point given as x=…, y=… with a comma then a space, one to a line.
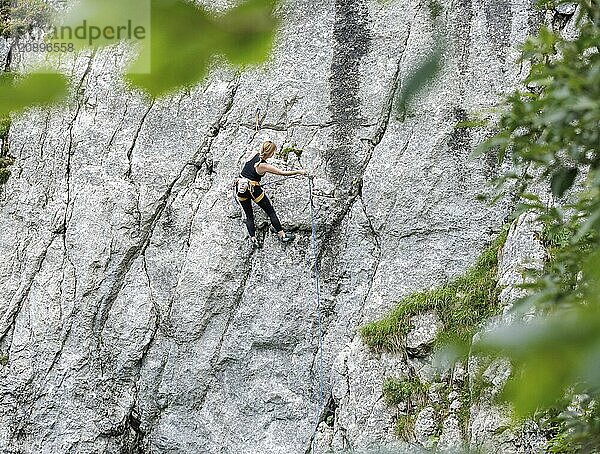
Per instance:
x=248, y=189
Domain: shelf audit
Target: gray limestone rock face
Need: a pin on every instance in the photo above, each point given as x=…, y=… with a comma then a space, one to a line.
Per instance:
x=451, y=438
x=426, y=426
x=420, y=338
x=418, y=229
x=134, y=315
x=567, y=9
x=522, y=252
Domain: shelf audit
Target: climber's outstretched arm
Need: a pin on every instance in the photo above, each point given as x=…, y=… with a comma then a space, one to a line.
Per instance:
x=268, y=168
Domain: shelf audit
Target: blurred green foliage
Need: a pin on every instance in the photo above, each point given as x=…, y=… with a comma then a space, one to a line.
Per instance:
x=183, y=41
x=417, y=79
x=35, y=89
x=550, y=132
x=184, y=38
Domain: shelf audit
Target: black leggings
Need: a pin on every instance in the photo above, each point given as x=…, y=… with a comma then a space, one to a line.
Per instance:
x=265, y=204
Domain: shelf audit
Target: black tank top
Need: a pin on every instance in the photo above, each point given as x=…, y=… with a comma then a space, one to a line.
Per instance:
x=249, y=169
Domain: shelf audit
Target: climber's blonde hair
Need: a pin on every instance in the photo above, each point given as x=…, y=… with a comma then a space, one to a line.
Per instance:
x=267, y=149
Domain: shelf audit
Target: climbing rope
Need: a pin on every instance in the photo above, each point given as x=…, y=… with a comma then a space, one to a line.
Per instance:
x=318, y=289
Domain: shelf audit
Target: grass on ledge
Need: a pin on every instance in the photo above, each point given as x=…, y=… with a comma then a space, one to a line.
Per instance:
x=462, y=305
x=405, y=426
x=397, y=391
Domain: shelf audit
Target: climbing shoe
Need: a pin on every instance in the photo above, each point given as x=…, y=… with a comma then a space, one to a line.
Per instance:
x=254, y=243
x=287, y=237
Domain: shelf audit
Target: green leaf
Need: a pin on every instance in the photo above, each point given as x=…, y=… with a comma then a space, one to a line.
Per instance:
x=420, y=77
x=84, y=24
x=471, y=124
x=37, y=89
x=499, y=142
x=530, y=196
x=185, y=39
x=562, y=180
x=591, y=269
x=539, y=383
x=181, y=39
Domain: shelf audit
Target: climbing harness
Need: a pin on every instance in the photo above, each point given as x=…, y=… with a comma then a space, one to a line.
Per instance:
x=242, y=185
x=318, y=290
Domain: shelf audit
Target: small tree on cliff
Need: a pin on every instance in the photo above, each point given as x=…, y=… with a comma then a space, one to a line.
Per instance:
x=550, y=130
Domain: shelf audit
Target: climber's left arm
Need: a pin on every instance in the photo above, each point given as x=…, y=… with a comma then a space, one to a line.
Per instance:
x=268, y=168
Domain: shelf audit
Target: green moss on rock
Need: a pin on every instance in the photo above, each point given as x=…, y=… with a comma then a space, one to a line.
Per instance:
x=405, y=425
x=285, y=152
x=397, y=391
x=461, y=305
